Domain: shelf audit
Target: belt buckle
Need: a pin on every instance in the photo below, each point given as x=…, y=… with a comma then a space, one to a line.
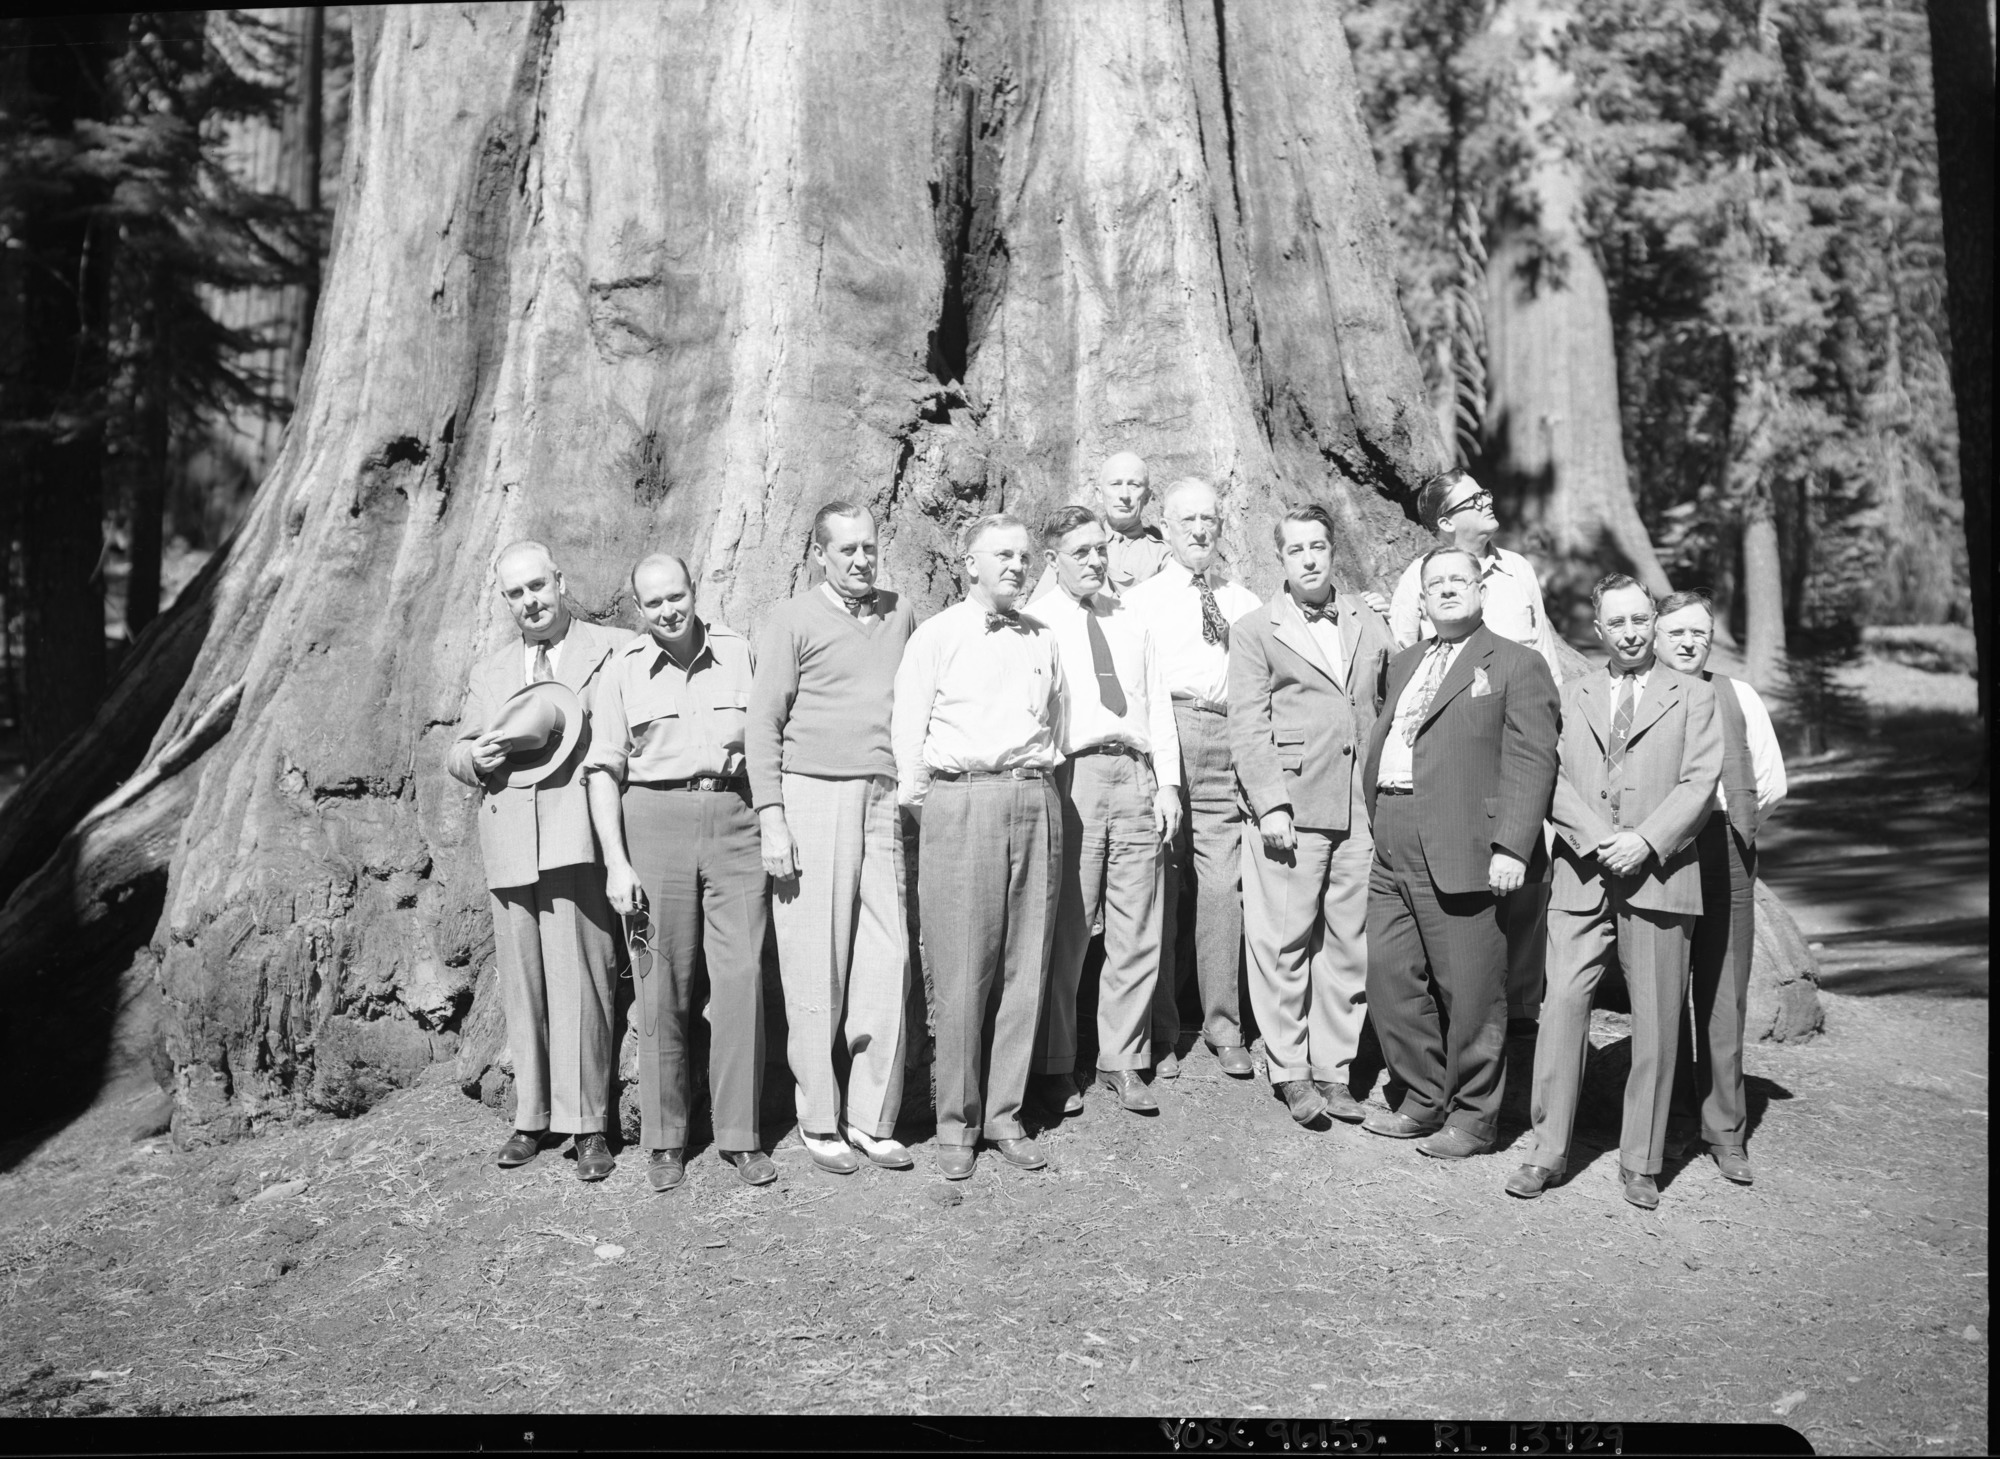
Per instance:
x=706, y=782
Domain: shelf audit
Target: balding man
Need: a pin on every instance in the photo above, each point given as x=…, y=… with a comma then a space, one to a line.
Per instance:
x=553, y=939
x=671, y=802
x=1188, y=606
x=1133, y=550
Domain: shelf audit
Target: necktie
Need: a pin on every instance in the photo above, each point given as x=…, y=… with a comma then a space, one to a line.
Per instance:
x=1621, y=729
x=1214, y=627
x=1434, y=663
x=1326, y=612
x=1009, y=619
x=1109, y=690
x=543, y=672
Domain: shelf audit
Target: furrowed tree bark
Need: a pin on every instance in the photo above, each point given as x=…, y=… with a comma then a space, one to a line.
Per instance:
x=1962, y=94
x=1554, y=449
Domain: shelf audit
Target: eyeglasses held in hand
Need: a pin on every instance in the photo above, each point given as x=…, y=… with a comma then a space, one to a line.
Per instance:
x=638, y=944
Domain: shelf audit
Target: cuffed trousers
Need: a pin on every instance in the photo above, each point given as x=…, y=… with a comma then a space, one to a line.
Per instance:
x=988, y=868
x=1204, y=878
x=700, y=859
x=843, y=951
x=556, y=951
x=1305, y=934
x=1653, y=950
x=1709, y=1070
x=1437, y=982
x=1112, y=869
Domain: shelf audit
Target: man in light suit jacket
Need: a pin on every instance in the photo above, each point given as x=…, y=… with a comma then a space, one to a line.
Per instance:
x=1640, y=756
x=1460, y=772
x=1305, y=677
x=553, y=934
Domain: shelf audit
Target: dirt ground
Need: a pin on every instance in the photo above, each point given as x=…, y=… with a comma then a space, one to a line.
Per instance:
x=1213, y=1260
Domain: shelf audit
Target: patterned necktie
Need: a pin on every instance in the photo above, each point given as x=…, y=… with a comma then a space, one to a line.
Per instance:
x=1109, y=690
x=1326, y=612
x=1434, y=663
x=1621, y=729
x=1214, y=627
x=1007, y=619
x=543, y=671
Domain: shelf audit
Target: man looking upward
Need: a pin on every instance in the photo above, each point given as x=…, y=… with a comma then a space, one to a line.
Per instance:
x=823, y=780
x=1120, y=789
x=1188, y=606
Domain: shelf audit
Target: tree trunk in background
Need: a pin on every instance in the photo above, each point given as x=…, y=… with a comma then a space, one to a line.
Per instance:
x=631, y=276
x=308, y=126
x=1554, y=453
x=1763, y=601
x=149, y=473
x=59, y=452
x=1962, y=90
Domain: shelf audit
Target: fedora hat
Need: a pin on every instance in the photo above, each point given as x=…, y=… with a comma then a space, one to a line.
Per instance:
x=540, y=727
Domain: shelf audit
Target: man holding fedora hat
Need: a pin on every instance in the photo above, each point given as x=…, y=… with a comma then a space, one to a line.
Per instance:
x=522, y=738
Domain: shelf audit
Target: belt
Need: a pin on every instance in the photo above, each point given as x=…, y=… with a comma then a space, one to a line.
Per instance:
x=738, y=783
x=1394, y=790
x=1111, y=747
x=974, y=777
x=1206, y=706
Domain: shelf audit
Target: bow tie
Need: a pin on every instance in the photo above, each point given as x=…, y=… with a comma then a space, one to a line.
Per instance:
x=1328, y=612
x=1009, y=619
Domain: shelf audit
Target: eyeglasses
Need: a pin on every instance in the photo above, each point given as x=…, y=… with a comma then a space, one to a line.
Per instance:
x=639, y=945
x=1478, y=501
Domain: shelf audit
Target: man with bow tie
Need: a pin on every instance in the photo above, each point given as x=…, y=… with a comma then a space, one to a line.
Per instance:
x=1305, y=678
x=1638, y=763
x=978, y=727
x=1120, y=788
x=554, y=944
x=1188, y=607
x=1459, y=776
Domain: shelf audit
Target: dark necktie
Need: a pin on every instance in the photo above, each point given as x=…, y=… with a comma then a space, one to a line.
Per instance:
x=1008, y=619
x=543, y=672
x=1625, y=702
x=1109, y=690
x=1214, y=627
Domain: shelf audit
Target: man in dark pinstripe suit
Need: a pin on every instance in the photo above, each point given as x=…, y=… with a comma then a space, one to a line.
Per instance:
x=1460, y=771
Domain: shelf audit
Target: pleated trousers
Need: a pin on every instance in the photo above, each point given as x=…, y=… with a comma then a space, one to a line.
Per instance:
x=556, y=953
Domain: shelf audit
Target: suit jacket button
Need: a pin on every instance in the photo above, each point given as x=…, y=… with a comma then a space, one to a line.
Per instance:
x=1604, y=795
x=1347, y=749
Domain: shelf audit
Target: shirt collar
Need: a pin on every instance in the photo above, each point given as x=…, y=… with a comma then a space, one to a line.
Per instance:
x=660, y=658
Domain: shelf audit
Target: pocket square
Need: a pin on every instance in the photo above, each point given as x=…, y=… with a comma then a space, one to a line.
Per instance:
x=1480, y=683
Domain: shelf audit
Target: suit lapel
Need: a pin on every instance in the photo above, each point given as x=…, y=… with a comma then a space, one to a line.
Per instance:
x=580, y=657
x=1590, y=703
x=1663, y=692
x=1289, y=628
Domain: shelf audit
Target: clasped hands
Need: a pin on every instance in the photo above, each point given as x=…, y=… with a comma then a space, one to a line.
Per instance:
x=1622, y=853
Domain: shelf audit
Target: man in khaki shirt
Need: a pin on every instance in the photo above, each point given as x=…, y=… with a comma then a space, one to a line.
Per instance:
x=671, y=802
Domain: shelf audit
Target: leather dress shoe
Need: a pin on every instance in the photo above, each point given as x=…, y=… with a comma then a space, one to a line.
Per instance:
x=1340, y=1102
x=1453, y=1143
x=888, y=1153
x=1022, y=1152
x=1235, y=1061
x=1301, y=1099
x=1531, y=1180
x=954, y=1162
x=1058, y=1095
x=665, y=1170
x=753, y=1167
x=1639, y=1189
x=830, y=1153
x=1732, y=1162
x=1167, y=1066
x=593, y=1157
x=521, y=1147
x=1679, y=1140
x=1131, y=1090
x=1396, y=1125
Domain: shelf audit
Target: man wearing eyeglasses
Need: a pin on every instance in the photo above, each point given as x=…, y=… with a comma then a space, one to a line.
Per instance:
x=671, y=803
x=1460, y=512
x=1637, y=768
x=1188, y=605
x=1708, y=1079
x=1460, y=772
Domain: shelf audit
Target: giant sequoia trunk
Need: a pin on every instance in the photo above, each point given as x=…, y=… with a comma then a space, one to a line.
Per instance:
x=1554, y=448
x=630, y=276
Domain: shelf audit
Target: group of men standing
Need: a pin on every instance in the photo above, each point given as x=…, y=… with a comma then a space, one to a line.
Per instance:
x=1338, y=802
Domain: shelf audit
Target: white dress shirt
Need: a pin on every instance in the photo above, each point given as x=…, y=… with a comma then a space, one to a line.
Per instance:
x=1169, y=604
x=1396, y=770
x=1512, y=605
x=1765, y=758
x=1326, y=638
x=969, y=698
x=1148, y=722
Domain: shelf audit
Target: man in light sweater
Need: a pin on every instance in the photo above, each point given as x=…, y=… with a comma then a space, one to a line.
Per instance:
x=1121, y=800
x=823, y=780
x=978, y=731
